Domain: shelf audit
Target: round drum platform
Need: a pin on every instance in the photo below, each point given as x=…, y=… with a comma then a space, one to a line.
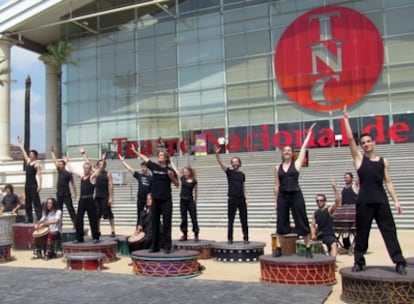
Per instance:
x=238, y=251
x=106, y=247
x=122, y=245
x=5, y=251
x=85, y=261
x=202, y=246
x=178, y=263
x=22, y=236
x=296, y=269
x=377, y=284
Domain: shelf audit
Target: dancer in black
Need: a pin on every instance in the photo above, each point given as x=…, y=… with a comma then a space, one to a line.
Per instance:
x=373, y=203
x=86, y=202
x=104, y=190
x=289, y=196
x=162, y=177
x=33, y=183
x=349, y=196
x=322, y=223
x=63, y=195
x=144, y=184
x=237, y=198
x=188, y=201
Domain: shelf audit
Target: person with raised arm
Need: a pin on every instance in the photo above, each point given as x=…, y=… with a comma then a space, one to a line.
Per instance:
x=86, y=202
x=162, y=177
x=188, y=200
x=144, y=179
x=64, y=179
x=289, y=196
x=373, y=171
x=33, y=183
x=236, y=193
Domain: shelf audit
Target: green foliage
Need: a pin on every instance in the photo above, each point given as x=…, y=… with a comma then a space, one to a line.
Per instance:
x=3, y=72
x=58, y=54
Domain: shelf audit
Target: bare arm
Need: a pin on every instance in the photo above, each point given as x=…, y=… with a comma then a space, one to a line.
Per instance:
x=173, y=178
x=38, y=176
x=70, y=168
x=139, y=154
x=75, y=193
x=390, y=186
x=196, y=193
x=25, y=156
x=220, y=162
x=129, y=168
x=337, y=195
x=356, y=155
x=302, y=152
x=82, y=151
x=174, y=167
x=52, y=153
x=110, y=189
x=313, y=228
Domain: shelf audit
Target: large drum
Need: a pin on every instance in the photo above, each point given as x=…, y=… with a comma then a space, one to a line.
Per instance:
x=136, y=241
x=344, y=217
x=22, y=235
x=6, y=226
x=40, y=236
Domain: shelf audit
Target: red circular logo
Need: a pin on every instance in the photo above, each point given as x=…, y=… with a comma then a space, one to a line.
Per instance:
x=329, y=57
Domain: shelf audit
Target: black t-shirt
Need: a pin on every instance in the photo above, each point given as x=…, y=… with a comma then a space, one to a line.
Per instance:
x=161, y=183
x=63, y=180
x=10, y=201
x=144, y=184
x=325, y=222
x=187, y=189
x=235, y=180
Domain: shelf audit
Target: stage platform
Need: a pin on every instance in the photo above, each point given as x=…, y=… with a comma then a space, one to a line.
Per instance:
x=204, y=247
x=109, y=248
x=377, y=285
x=238, y=251
x=297, y=269
x=177, y=263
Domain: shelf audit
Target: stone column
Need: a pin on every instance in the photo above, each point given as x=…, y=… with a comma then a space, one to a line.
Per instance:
x=51, y=102
x=5, y=45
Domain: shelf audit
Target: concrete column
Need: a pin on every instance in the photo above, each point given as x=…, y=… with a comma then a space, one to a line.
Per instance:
x=51, y=103
x=5, y=45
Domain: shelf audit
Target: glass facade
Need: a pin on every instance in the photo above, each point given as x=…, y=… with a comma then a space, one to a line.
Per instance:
x=192, y=67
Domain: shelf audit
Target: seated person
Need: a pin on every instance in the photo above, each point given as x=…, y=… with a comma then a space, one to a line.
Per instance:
x=144, y=225
x=10, y=202
x=52, y=218
x=322, y=222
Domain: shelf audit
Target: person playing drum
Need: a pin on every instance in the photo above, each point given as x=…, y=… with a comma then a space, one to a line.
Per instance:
x=373, y=172
x=322, y=223
x=52, y=219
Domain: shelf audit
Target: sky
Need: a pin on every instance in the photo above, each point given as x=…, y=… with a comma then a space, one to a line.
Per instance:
x=25, y=63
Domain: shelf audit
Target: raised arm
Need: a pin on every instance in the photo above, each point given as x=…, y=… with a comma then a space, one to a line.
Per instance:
x=174, y=167
x=173, y=178
x=110, y=189
x=302, y=152
x=70, y=168
x=20, y=142
x=337, y=195
x=220, y=162
x=390, y=186
x=128, y=167
x=52, y=153
x=356, y=155
x=82, y=151
x=139, y=154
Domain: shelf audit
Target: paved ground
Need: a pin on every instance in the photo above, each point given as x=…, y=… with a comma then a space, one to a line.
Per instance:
x=25, y=280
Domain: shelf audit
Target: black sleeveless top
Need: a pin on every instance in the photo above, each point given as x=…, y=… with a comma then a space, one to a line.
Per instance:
x=63, y=180
x=86, y=187
x=289, y=180
x=325, y=222
x=371, y=180
x=31, y=171
x=187, y=189
x=101, y=185
x=349, y=197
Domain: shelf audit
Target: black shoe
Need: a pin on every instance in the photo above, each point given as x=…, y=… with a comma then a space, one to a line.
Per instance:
x=95, y=241
x=151, y=250
x=277, y=253
x=167, y=251
x=309, y=254
x=246, y=242
x=183, y=238
x=357, y=267
x=112, y=234
x=230, y=242
x=196, y=237
x=400, y=269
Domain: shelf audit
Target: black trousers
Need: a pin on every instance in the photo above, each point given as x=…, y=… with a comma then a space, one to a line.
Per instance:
x=67, y=200
x=190, y=207
x=141, y=202
x=365, y=213
x=32, y=196
x=161, y=208
x=86, y=205
x=234, y=204
x=291, y=201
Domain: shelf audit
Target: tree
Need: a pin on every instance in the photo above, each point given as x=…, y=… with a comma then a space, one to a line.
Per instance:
x=57, y=55
x=3, y=71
